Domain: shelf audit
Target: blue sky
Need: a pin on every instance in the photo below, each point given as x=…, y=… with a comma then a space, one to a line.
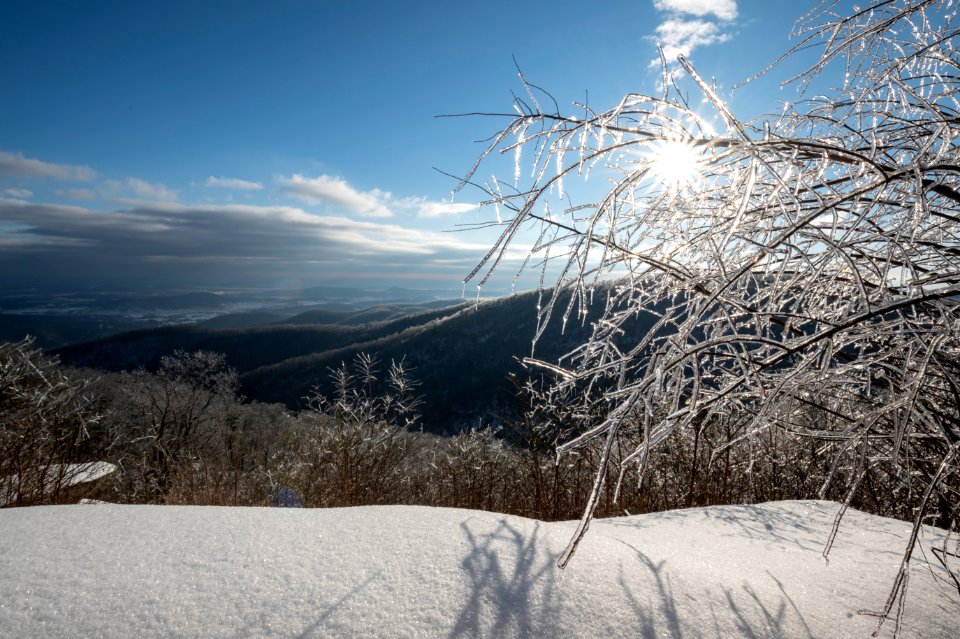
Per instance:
x=290, y=143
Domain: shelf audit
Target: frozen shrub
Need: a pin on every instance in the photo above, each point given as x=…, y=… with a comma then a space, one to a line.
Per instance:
x=47, y=422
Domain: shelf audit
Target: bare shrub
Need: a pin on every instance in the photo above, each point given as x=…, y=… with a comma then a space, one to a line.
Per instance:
x=178, y=416
x=351, y=449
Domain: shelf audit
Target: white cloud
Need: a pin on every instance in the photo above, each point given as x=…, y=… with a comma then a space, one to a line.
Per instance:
x=141, y=189
x=439, y=209
x=145, y=189
x=335, y=191
x=681, y=37
x=19, y=193
x=679, y=34
x=77, y=194
x=233, y=183
x=17, y=164
x=722, y=9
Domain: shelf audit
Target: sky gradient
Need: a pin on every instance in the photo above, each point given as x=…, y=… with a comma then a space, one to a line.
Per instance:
x=283, y=144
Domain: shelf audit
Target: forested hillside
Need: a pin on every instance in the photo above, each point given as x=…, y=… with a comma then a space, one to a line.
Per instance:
x=460, y=356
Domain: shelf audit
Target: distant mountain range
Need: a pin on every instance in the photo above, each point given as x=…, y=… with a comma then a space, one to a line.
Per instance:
x=245, y=348
x=461, y=355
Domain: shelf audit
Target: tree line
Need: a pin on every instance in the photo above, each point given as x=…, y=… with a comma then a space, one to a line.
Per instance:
x=182, y=435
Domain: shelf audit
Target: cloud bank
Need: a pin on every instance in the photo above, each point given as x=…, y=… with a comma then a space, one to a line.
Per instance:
x=132, y=231
x=243, y=240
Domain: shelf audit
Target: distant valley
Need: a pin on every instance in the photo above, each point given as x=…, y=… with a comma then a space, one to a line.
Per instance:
x=57, y=318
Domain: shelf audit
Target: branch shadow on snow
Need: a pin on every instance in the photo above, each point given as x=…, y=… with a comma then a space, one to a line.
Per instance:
x=660, y=616
x=767, y=523
x=649, y=625
x=747, y=521
x=773, y=618
x=512, y=585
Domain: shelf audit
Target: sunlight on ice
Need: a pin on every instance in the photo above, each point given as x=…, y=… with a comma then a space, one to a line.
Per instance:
x=675, y=163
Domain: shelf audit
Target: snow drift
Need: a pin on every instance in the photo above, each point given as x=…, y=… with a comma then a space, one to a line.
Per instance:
x=160, y=571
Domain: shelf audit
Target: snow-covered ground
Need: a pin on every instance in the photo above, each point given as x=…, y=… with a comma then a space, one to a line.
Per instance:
x=736, y=571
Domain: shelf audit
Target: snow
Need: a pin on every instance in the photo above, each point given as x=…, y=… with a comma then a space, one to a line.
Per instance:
x=402, y=571
x=67, y=474
x=92, y=471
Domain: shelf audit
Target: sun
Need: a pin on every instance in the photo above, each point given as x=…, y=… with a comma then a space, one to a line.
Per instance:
x=675, y=163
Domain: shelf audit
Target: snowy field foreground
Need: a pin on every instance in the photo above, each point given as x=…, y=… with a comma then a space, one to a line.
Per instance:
x=166, y=571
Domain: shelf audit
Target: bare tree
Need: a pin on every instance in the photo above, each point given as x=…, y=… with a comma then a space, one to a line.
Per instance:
x=172, y=418
x=804, y=266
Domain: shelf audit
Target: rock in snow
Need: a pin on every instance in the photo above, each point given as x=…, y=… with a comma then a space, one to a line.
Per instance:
x=402, y=571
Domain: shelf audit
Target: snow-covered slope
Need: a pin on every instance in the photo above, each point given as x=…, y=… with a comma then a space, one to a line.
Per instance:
x=155, y=571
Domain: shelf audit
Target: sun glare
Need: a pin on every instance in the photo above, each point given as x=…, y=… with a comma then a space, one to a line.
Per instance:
x=675, y=163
